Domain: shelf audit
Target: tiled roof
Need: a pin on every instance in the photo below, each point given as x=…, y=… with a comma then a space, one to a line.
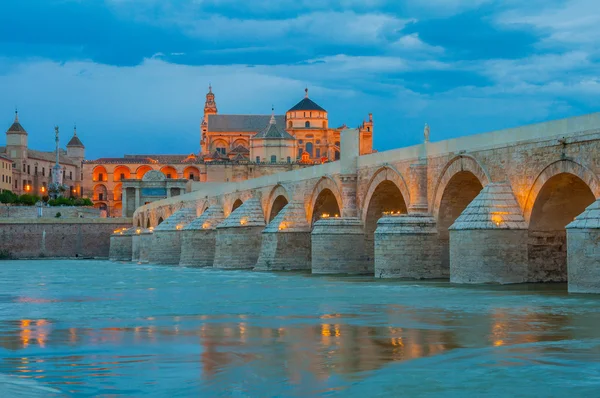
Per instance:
x=307, y=105
x=16, y=128
x=240, y=149
x=75, y=142
x=272, y=131
x=241, y=123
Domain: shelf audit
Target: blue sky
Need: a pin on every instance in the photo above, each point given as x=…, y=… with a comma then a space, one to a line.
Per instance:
x=133, y=73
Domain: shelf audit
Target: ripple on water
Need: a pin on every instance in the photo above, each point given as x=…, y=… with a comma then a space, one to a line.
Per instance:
x=151, y=330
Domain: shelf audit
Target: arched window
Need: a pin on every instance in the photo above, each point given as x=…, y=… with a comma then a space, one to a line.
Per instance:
x=368, y=128
x=309, y=148
x=307, y=124
x=289, y=159
x=290, y=124
x=273, y=158
x=258, y=159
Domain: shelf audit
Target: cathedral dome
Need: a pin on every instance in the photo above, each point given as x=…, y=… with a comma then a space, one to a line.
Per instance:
x=307, y=105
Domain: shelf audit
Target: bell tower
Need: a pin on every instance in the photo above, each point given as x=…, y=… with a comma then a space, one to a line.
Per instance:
x=210, y=108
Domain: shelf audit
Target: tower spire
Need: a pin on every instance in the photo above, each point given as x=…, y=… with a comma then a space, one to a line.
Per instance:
x=306, y=92
x=272, y=121
x=75, y=130
x=16, y=115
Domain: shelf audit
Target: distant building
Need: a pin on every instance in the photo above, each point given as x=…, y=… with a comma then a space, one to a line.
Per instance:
x=5, y=173
x=32, y=169
x=233, y=148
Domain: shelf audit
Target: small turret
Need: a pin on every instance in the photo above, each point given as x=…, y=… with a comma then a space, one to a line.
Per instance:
x=16, y=140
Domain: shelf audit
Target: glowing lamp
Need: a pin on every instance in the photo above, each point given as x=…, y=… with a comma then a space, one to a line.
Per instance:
x=325, y=215
x=282, y=226
x=138, y=231
x=337, y=215
x=206, y=225
x=27, y=187
x=179, y=227
x=243, y=220
x=43, y=189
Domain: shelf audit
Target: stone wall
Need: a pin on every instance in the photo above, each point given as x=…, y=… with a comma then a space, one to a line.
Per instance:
x=7, y=211
x=58, y=238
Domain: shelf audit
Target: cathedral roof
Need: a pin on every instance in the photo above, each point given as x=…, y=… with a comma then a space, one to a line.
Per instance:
x=240, y=123
x=16, y=126
x=273, y=132
x=307, y=105
x=240, y=149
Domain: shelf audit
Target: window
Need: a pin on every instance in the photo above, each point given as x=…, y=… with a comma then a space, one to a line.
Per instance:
x=122, y=176
x=290, y=124
x=100, y=176
x=43, y=171
x=337, y=155
x=307, y=124
x=191, y=176
x=318, y=142
x=100, y=196
x=16, y=183
x=304, y=114
x=3, y=175
x=309, y=148
x=300, y=141
x=24, y=168
x=289, y=159
x=70, y=175
x=35, y=170
x=258, y=159
x=299, y=153
x=368, y=128
x=318, y=152
x=221, y=151
x=28, y=169
x=310, y=114
x=168, y=175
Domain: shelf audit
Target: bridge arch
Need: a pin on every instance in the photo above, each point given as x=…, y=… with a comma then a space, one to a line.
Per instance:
x=460, y=182
x=277, y=200
x=458, y=164
x=387, y=192
x=561, y=192
x=326, y=197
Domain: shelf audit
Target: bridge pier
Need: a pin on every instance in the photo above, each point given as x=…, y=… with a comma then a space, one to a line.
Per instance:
x=120, y=245
x=488, y=241
x=238, y=239
x=286, y=241
x=407, y=246
x=583, y=251
x=338, y=247
x=199, y=237
x=145, y=242
x=135, y=245
x=166, y=243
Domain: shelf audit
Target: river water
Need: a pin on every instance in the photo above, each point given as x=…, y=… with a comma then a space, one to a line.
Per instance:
x=87, y=328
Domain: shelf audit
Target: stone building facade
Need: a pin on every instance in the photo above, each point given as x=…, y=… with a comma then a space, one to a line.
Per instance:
x=32, y=169
x=5, y=173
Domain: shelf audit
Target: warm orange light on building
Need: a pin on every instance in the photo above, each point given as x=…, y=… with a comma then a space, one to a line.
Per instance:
x=325, y=215
x=206, y=225
x=43, y=189
x=243, y=220
x=282, y=226
x=27, y=188
x=179, y=227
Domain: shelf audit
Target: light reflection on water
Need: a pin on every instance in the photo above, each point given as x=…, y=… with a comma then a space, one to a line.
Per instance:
x=98, y=328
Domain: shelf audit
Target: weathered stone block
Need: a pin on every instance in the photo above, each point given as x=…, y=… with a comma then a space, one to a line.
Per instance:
x=146, y=238
x=488, y=256
x=121, y=245
x=286, y=241
x=338, y=247
x=408, y=246
x=239, y=237
x=583, y=251
x=198, y=239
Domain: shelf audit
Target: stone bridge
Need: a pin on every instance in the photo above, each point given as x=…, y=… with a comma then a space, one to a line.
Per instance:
x=487, y=208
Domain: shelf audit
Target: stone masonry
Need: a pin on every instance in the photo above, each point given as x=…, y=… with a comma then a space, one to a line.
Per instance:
x=488, y=241
x=407, y=246
x=583, y=240
x=239, y=237
x=166, y=244
x=198, y=238
x=286, y=241
x=121, y=245
x=145, y=241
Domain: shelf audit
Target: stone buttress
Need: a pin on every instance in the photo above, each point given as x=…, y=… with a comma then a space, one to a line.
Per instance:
x=407, y=246
x=488, y=241
x=583, y=251
x=145, y=241
x=239, y=237
x=136, y=241
x=166, y=241
x=198, y=238
x=120, y=245
x=286, y=241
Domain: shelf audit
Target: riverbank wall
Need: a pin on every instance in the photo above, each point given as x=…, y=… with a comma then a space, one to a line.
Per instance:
x=41, y=238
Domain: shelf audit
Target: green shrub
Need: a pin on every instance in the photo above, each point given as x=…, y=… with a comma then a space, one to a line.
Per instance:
x=8, y=197
x=58, y=215
x=27, y=200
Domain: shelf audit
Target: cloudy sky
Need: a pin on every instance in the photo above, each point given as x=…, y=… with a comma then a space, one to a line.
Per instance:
x=133, y=73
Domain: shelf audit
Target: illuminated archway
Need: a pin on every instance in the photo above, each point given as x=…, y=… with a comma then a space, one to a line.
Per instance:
x=318, y=199
x=236, y=204
x=458, y=192
x=191, y=173
x=386, y=198
x=117, y=210
x=278, y=204
x=100, y=193
x=326, y=205
x=561, y=198
x=99, y=174
x=169, y=171
x=139, y=173
x=118, y=192
x=121, y=172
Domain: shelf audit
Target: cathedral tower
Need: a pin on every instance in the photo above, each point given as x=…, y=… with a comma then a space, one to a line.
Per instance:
x=16, y=141
x=210, y=108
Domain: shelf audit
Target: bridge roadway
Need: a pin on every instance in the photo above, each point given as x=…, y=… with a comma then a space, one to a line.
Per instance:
x=496, y=207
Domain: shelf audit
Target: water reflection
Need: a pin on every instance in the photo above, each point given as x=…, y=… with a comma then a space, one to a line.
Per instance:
x=297, y=349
